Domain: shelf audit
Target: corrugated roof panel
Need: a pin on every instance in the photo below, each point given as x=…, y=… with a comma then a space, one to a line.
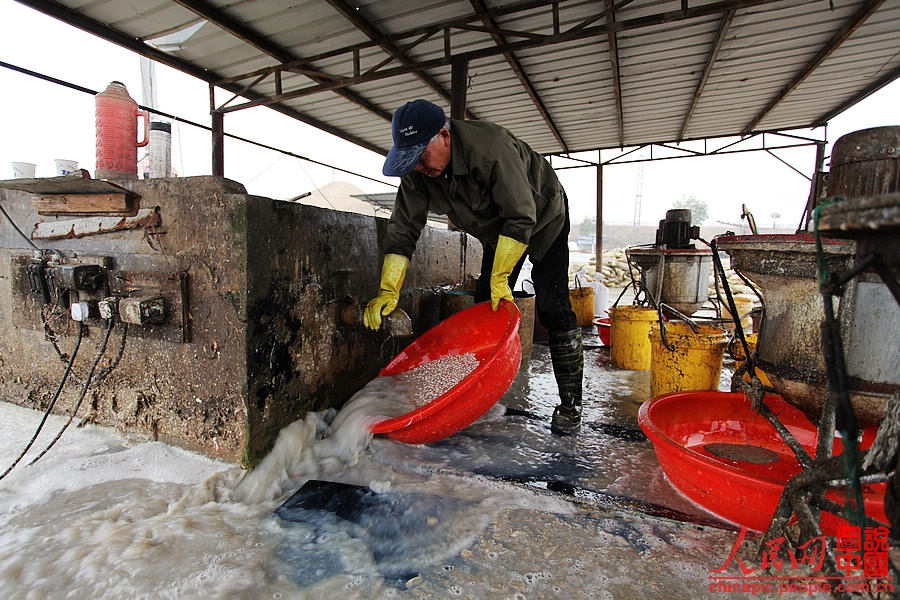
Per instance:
x=660, y=62
x=312, y=23
x=222, y=55
x=572, y=100
x=396, y=16
x=762, y=50
x=152, y=17
x=540, y=19
x=874, y=43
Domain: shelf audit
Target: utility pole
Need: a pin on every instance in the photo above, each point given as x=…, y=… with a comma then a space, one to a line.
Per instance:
x=639, y=192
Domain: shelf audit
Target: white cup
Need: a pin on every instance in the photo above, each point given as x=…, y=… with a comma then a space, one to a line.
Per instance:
x=23, y=170
x=64, y=166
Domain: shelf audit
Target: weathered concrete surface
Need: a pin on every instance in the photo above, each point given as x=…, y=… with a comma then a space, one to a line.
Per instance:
x=784, y=268
x=252, y=339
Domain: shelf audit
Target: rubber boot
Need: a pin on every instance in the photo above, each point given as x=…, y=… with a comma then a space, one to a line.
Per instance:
x=567, y=357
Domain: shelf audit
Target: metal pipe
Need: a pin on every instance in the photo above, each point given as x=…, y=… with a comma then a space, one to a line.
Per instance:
x=218, y=144
x=598, y=226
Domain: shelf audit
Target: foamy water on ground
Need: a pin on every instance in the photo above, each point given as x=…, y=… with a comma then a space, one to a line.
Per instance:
x=100, y=517
x=97, y=518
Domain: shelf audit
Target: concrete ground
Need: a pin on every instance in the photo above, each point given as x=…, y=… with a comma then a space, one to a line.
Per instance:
x=501, y=510
x=629, y=535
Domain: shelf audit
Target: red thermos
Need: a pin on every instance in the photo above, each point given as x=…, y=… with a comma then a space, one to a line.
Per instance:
x=117, y=144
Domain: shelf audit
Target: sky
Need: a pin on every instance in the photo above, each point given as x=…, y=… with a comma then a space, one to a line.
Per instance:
x=43, y=121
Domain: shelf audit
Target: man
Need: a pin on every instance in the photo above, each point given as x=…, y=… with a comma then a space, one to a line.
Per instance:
x=496, y=188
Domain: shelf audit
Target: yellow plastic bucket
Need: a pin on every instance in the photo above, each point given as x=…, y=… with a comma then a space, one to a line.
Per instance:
x=694, y=364
x=583, y=305
x=737, y=350
x=629, y=345
x=744, y=306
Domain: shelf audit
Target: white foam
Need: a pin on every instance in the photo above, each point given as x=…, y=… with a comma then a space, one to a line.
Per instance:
x=103, y=519
x=299, y=453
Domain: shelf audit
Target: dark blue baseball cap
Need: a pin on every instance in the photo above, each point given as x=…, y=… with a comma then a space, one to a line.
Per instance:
x=413, y=126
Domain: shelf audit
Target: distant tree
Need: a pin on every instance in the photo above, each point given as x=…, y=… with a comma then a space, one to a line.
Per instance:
x=588, y=226
x=698, y=208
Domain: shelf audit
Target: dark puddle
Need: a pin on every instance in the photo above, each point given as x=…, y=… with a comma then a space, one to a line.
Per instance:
x=398, y=533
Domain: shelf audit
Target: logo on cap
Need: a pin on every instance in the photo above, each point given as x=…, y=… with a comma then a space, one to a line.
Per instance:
x=412, y=127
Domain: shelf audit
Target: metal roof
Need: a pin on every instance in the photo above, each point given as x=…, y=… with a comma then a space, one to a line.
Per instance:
x=566, y=76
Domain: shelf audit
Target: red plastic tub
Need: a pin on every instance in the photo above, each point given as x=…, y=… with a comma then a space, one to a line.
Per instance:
x=603, y=329
x=720, y=454
x=493, y=337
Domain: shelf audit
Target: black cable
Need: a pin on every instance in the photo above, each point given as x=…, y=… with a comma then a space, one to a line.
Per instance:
x=25, y=71
x=50, y=335
x=53, y=311
x=16, y=227
x=189, y=122
x=836, y=382
x=84, y=389
x=738, y=328
x=115, y=362
x=62, y=382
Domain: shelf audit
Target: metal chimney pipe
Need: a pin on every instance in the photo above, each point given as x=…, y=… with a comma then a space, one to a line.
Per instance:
x=160, y=149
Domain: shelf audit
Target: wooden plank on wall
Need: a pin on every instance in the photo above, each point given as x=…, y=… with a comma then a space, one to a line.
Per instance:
x=111, y=204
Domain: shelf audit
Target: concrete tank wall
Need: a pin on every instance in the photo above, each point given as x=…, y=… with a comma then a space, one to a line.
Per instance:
x=252, y=337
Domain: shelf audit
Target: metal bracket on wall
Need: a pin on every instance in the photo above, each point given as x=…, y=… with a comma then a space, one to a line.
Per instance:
x=84, y=226
x=172, y=287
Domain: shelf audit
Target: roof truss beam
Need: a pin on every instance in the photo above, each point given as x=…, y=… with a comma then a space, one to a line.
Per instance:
x=866, y=92
x=707, y=69
x=401, y=56
x=493, y=30
x=570, y=35
x=519, y=70
x=460, y=23
x=614, y=67
x=392, y=49
x=670, y=152
x=220, y=19
x=827, y=50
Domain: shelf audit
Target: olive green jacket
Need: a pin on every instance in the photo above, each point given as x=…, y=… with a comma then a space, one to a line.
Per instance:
x=495, y=184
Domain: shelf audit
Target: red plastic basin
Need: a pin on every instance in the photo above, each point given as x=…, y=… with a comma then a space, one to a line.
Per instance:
x=603, y=329
x=493, y=337
x=691, y=431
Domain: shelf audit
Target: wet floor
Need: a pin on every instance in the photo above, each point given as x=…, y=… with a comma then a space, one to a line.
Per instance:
x=503, y=509
x=609, y=462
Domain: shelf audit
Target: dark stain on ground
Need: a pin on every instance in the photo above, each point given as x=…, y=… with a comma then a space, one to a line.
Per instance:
x=396, y=528
x=618, y=431
x=610, y=429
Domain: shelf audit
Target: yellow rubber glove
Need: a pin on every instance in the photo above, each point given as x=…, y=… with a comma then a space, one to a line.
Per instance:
x=392, y=273
x=508, y=253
